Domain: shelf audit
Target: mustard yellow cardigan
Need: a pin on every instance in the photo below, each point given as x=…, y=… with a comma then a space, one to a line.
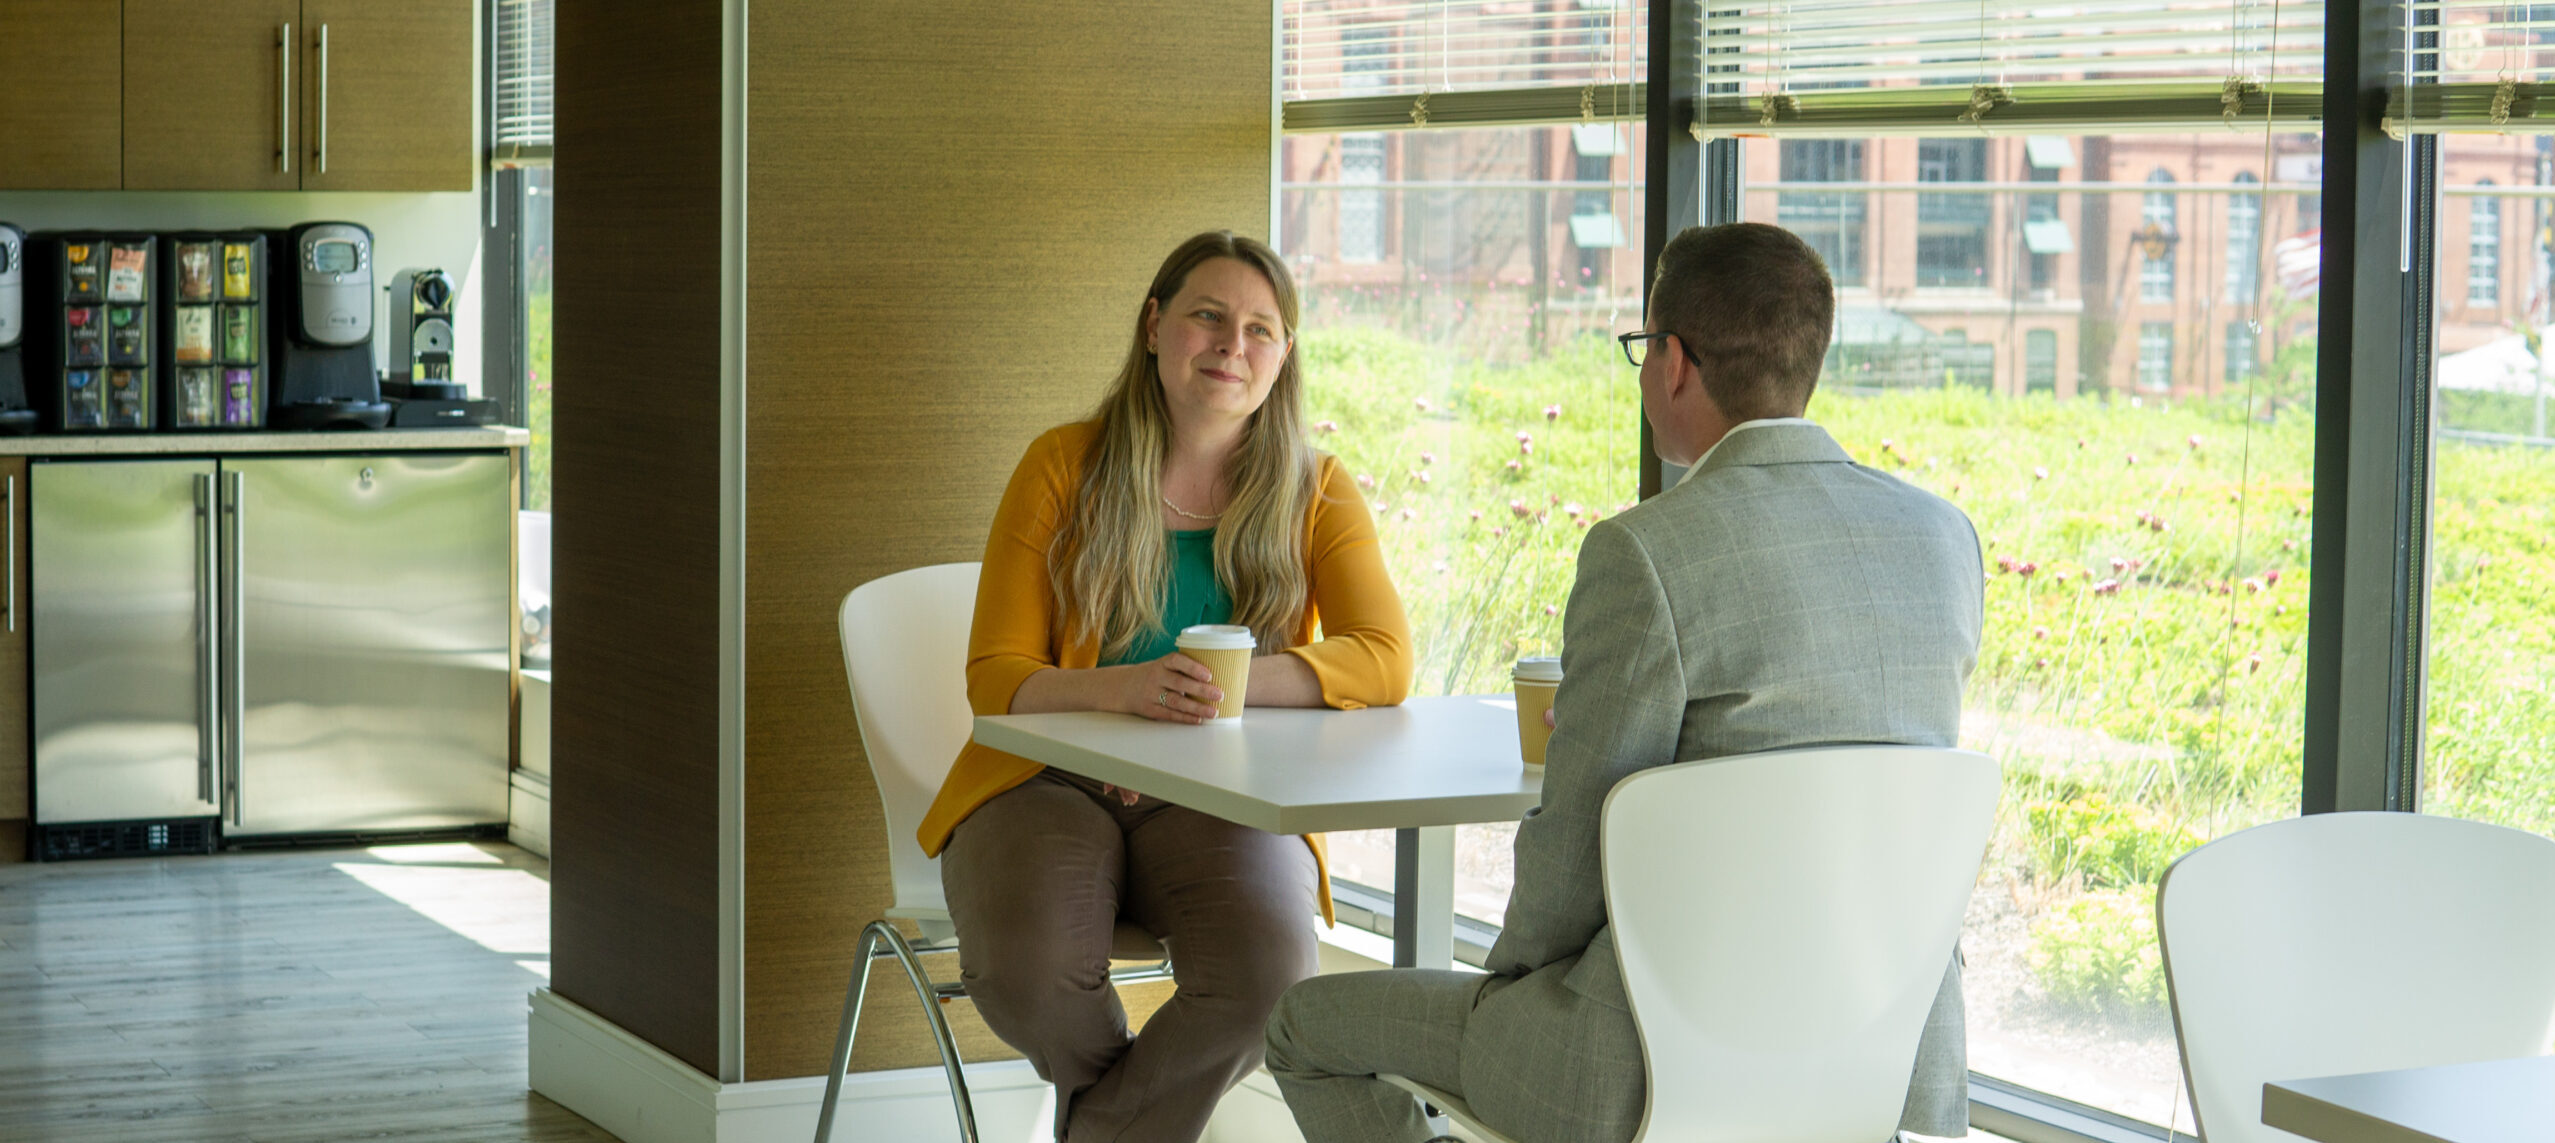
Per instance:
x=1363, y=657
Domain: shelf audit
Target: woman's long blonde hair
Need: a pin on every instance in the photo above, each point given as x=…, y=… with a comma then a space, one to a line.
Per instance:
x=1110, y=565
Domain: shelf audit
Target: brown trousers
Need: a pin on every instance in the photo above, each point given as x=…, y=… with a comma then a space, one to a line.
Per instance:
x=1036, y=880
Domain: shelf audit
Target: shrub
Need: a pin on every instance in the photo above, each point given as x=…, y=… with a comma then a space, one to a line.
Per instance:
x=2097, y=955
x=2112, y=845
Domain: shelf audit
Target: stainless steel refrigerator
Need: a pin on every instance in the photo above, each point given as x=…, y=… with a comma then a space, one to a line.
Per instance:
x=299, y=645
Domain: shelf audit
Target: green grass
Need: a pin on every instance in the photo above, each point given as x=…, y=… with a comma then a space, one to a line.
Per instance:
x=2142, y=671
x=536, y=474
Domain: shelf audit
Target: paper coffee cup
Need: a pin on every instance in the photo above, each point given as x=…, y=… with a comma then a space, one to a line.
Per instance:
x=1226, y=650
x=1537, y=678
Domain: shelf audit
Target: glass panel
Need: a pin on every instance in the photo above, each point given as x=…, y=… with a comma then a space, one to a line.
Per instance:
x=2491, y=693
x=1467, y=375
x=538, y=191
x=2138, y=462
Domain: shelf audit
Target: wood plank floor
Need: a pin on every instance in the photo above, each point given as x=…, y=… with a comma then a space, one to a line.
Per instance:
x=279, y=997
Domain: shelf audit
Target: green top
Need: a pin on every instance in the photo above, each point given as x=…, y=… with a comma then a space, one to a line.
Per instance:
x=1193, y=597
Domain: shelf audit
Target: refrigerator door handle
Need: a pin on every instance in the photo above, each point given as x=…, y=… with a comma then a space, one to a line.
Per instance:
x=208, y=579
x=284, y=99
x=234, y=661
x=323, y=99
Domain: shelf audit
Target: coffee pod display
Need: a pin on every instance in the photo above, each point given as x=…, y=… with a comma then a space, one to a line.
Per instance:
x=1537, y=679
x=1226, y=650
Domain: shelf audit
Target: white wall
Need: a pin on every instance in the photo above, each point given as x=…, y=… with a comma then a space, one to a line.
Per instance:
x=441, y=231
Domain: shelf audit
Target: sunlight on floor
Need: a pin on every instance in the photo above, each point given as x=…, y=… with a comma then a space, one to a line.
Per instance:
x=466, y=890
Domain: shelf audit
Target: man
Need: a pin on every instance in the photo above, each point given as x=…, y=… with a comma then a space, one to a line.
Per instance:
x=1778, y=596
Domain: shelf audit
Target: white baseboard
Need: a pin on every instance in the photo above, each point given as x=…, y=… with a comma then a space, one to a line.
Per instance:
x=637, y=1092
x=528, y=812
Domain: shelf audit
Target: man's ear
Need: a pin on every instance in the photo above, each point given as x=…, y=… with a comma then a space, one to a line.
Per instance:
x=1683, y=374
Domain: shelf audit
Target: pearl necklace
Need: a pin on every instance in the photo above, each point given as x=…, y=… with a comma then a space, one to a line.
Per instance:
x=1185, y=513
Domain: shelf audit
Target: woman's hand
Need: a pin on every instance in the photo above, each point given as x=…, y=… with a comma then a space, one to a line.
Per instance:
x=1173, y=688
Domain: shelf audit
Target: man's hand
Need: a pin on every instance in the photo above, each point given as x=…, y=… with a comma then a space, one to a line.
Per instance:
x=1548, y=718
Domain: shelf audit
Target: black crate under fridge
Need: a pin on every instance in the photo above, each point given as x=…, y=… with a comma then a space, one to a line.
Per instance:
x=90, y=321
x=212, y=342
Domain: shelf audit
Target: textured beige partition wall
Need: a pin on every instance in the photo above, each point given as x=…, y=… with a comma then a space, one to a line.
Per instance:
x=634, y=930
x=954, y=211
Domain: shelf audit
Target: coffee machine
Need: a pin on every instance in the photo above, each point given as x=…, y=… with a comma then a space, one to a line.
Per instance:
x=321, y=332
x=421, y=336
x=16, y=416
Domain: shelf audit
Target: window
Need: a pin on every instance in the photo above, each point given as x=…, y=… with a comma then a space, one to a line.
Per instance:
x=2156, y=357
x=2489, y=703
x=2157, y=237
x=2483, y=249
x=517, y=291
x=2244, y=242
x=2241, y=355
x=1951, y=229
x=2132, y=720
x=1831, y=223
x=1361, y=212
x=2040, y=361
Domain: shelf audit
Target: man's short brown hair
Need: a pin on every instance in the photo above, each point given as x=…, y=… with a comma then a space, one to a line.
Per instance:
x=1754, y=305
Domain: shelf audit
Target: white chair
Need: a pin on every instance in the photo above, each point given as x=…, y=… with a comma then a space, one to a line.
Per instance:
x=2343, y=943
x=1782, y=921
x=905, y=652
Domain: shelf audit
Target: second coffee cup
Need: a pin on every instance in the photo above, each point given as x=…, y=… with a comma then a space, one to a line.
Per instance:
x=1226, y=651
x=1538, y=678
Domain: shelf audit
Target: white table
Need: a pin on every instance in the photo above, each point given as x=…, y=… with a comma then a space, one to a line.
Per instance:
x=2500, y=1101
x=1420, y=768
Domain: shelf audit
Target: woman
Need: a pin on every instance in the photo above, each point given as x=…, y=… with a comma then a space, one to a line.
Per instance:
x=1190, y=497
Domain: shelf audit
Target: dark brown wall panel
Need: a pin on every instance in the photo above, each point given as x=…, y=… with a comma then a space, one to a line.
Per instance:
x=955, y=210
x=634, y=793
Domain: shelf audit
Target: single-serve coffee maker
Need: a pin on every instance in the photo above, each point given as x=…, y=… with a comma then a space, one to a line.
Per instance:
x=16, y=415
x=421, y=336
x=321, y=292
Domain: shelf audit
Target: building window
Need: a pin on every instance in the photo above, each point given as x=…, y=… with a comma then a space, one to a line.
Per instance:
x=2156, y=356
x=1361, y=211
x=2242, y=358
x=2158, y=233
x=2040, y=361
x=1951, y=229
x=2244, y=242
x=1831, y=223
x=2483, y=249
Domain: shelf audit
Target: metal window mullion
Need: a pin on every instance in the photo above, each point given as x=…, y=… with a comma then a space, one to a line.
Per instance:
x=2372, y=452
x=1679, y=166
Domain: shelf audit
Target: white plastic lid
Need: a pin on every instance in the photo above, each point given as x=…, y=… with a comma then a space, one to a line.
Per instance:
x=1539, y=669
x=1217, y=637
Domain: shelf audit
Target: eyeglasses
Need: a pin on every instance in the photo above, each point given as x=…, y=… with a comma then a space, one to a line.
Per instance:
x=1636, y=346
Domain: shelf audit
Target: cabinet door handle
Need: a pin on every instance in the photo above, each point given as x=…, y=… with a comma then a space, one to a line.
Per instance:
x=323, y=99
x=9, y=521
x=284, y=100
x=208, y=580
x=235, y=666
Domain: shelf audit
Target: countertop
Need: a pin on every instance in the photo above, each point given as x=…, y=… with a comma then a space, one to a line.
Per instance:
x=196, y=444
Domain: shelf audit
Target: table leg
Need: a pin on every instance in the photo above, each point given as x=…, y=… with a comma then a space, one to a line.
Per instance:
x=1424, y=897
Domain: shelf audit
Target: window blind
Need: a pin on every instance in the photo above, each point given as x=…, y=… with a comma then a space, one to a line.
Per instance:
x=2041, y=67
x=1369, y=65
x=519, y=88
x=2472, y=66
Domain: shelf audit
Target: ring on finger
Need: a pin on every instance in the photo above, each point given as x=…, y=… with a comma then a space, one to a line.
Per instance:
x=1164, y=698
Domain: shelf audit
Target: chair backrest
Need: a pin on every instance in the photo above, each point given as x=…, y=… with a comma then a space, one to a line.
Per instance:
x=905, y=650
x=2344, y=943
x=1783, y=922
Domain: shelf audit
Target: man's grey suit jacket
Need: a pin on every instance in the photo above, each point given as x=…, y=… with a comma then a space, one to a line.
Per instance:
x=1782, y=596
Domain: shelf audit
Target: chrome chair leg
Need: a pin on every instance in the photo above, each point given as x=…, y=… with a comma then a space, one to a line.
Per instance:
x=876, y=934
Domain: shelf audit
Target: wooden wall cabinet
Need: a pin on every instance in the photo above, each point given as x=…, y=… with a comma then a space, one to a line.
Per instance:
x=17, y=740
x=371, y=95
x=61, y=95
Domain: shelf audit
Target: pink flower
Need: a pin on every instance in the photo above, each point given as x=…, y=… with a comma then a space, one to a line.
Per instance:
x=2040, y=632
x=1523, y=436
x=1556, y=498
x=2288, y=545
x=2133, y=458
x=1582, y=521
x=1552, y=412
x=1423, y=476
x=2253, y=662
x=1519, y=509
x=2039, y=473
x=1572, y=509
x=2119, y=565
x=2026, y=569
x=1421, y=402
x=2107, y=587
x=2043, y=662
x=1549, y=609
x=1428, y=458
x=1365, y=481
x=2080, y=444
x=1326, y=426
x=1499, y=531
x=1408, y=514
x=2271, y=578
x=1477, y=513
x=1526, y=448
x=2252, y=586
x=1513, y=466
x=2193, y=441
x=2007, y=563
